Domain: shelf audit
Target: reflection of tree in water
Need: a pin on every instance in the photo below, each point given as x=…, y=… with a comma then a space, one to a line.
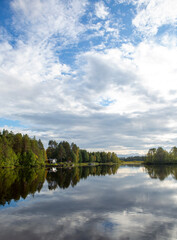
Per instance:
x=174, y=172
x=161, y=171
x=19, y=182
x=66, y=177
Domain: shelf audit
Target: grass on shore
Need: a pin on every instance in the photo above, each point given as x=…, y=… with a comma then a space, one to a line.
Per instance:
x=66, y=164
x=132, y=162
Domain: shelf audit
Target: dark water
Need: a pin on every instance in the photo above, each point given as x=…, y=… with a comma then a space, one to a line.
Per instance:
x=89, y=203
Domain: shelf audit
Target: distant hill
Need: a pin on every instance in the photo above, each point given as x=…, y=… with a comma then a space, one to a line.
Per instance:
x=133, y=158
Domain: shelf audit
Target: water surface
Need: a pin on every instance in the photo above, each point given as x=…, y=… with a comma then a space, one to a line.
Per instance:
x=101, y=202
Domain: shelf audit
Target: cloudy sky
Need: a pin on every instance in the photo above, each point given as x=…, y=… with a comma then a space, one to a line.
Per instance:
x=102, y=74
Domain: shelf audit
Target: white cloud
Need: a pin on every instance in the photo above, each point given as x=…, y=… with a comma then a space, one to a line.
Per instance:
x=156, y=68
x=101, y=10
x=43, y=19
x=31, y=74
x=63, y=99
x=142, y=74
x=152, y=14
x=132, y=76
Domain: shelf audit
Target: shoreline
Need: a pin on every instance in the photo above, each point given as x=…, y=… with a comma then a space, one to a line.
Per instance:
x=69, y=165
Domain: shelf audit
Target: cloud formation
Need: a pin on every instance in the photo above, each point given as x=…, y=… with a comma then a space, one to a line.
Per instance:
x=81, y=72
x=151, y=15
x=100, y=10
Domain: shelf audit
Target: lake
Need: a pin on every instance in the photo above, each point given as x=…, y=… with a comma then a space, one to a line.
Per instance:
x=103, y=202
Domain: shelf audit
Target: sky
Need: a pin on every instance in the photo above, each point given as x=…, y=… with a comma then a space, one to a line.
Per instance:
x=101, y=74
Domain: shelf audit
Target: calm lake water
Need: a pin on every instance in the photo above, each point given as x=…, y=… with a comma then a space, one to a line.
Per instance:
x=89, y=203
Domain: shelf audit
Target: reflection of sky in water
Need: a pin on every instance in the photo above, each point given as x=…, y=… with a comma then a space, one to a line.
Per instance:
x=128, y=205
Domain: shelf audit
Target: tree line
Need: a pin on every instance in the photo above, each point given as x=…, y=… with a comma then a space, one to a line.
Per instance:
x=21, y=150
x=18, y=149
x=161, y=156
x=65, y=152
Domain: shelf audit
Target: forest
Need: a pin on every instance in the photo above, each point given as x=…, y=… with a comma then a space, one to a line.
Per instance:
x=20, y=150
x=161, y=156
x=65, y=152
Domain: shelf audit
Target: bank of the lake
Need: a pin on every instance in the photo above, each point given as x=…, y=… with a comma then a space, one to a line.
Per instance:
x=66, y=164
x=132, y=162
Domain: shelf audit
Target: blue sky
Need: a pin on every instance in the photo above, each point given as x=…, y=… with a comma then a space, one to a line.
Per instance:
x=101, y=74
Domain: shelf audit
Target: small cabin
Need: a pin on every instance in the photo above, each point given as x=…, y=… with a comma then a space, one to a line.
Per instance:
x=52, y=160
x=53, y=169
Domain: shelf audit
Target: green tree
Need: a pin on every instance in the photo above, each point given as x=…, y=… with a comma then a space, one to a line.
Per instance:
x=85, y=156
x=61, y=153
x=26, y=145
x=114, y=158
x=75, y=150
x=16, y=149
x=98, y=157
x=161, y=155
x=151, y=155
x=103, y=157
x=109, y=156
x=67, y=148
x=80, y=157
x=173, y=154
x=91, y=158
x=17, y=144
x=73, y=157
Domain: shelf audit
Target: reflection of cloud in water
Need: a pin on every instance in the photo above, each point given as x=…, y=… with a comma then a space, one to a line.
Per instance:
x=130, y=170
x=126, y=171
x=87, y=225
x=134, y=207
